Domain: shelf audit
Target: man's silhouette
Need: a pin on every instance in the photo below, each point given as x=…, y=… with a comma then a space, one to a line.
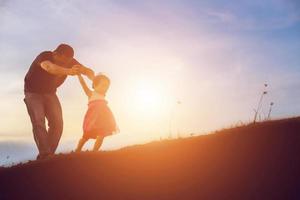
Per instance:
x=47, y=72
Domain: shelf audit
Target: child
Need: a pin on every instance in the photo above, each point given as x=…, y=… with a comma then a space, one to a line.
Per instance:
x=99, y=121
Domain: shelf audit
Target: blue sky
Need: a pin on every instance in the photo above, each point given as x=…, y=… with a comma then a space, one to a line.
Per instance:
x=214, y=56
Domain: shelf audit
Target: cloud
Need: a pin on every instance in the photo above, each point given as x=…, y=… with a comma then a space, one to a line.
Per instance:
x=224, y=16
x=256, y=15
x=3, y=3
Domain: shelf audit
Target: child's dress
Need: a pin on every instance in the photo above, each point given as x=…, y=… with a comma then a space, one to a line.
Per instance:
x=98, y=120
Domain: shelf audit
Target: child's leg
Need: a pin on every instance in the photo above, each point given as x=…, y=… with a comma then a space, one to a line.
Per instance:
x=98, y=143
x=81, y=142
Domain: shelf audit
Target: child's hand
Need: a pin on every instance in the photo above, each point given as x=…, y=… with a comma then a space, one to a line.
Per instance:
x=80, y=69
x=74, y=71
x=85, y=71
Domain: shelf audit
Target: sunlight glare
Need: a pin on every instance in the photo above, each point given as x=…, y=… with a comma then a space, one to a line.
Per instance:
x=149, y=99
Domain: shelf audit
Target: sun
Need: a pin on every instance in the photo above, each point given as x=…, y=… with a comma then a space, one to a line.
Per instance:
x=149, y=99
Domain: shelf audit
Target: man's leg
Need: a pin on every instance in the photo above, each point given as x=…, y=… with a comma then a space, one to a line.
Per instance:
x=35, y=107
x=55, y=120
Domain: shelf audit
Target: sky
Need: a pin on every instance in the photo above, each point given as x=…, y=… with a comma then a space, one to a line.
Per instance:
x=176, y=66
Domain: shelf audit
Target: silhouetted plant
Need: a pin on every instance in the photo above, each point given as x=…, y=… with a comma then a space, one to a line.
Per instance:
x=256, y=111
x=270, y=110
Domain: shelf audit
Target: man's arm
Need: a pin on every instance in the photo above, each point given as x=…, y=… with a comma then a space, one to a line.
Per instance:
x=58, y=70
x=85, y=88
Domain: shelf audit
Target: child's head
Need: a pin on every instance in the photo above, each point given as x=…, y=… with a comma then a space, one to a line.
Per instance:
x=101, y=83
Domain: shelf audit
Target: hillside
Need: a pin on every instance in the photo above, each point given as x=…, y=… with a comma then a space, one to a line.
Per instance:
x=258, y=161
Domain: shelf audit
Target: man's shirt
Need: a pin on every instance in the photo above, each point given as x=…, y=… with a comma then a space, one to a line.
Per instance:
x=38, y=80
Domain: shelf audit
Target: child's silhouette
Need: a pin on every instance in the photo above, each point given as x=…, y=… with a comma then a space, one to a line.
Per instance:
x=99, y=120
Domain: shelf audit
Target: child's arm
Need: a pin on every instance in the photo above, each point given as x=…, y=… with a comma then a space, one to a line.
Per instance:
x=86, y=89
x=89, y=72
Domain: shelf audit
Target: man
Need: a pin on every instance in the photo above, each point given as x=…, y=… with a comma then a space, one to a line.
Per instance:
x=47, y=72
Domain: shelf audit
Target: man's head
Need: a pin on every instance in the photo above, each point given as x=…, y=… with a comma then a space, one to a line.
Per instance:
x=101, y=83
x=63, y=53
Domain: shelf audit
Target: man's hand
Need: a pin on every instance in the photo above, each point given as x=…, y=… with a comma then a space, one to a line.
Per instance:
x=75, y=70
x=85, y=70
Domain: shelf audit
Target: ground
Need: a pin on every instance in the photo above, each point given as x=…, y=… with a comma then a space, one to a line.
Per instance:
x=255, y=161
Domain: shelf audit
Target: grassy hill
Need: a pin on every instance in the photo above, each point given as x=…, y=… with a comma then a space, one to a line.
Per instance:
x=257, y=161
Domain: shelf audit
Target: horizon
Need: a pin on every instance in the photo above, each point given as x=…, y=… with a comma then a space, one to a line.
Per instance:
x=212, y=56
